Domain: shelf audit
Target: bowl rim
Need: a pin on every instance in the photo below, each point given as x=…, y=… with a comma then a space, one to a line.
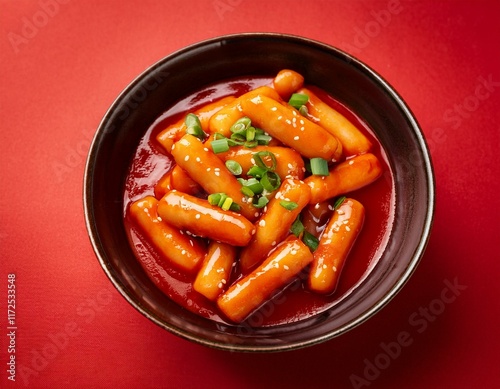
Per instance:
x=389, y=294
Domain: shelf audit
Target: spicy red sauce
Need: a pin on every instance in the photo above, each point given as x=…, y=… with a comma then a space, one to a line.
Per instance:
x=295, y=302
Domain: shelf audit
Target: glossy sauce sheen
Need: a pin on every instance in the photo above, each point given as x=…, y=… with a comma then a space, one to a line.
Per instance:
x=295, y=302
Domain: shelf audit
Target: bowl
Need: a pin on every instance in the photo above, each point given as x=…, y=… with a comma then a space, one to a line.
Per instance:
x=186, y=71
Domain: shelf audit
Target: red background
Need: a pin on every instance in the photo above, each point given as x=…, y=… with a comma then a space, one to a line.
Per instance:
x=58, y=78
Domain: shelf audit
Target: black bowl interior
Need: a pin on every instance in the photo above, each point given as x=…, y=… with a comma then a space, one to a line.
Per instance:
x=186, y=71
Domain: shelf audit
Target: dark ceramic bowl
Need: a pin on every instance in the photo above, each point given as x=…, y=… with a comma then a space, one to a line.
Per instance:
x=186, y=71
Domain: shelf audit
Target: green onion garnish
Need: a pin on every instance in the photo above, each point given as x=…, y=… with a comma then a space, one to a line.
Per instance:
x=220, y=146
x=261, y=202
x=214, y=198
x=338, y=202
x=250, y=133
x=240, y=126
x=223, y=201
x=297, y=227
x=227, y=204
x=235, y=207
x=319, y=167
x=263, y=139
x=234, y=167
x=289, y=205
x=262, y=156
x=247, y=191
x=297, y=100
x=254, y=185
x=270, y=181
x=193, y=125
x=256, y=171
x=310, y=241
x=304, y=111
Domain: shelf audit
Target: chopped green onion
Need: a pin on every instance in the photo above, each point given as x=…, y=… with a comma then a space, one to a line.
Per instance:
x=222, y=199
x=310, y=241
x=259, y=160
x=289, y=205
x=235, y=207
x=297, y=227
x=240, y=126
x=263, y=139
x=234, y=167
x=261, y=202
x=319, y=167
x=254, y=185
x=270, y=181
x=238, y=137
x=298, y=99
x=251, y=144
x=256, y=171
x=214, y=198
x=338, y=202
x=247, y=191
x=193, y=125
x=250, y=133
x=304, y=111
x=192, y=120
x=227, y=204
x=220, y=146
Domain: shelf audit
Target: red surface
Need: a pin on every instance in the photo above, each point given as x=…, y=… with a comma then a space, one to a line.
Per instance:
x=62, y=65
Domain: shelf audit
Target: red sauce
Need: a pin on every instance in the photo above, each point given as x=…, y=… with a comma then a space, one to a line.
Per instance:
x=295, y=302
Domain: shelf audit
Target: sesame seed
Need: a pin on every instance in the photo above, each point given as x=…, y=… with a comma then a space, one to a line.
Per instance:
x=256, y=214
x=294, y=119
x=296, y=137
x=334, y=268
x=220, y=285
x=204, y=148
x=217, y=174
x=186, y=158
x=328, y=241
x=274, y=109
x=340, y=212
x=294, y=113
x=351, y=162
x=302, y=128
x=169, y=236
x=208, y=169
x=262, y=223
x=197, y=216
x=223, y=281
x=285, y=267
x=280, y=117
x=324, y=266
x=191, y=243
x=316, y=206
x=290, y=166
x=220, y=270
x=183, y=252
x=274, y=243
x=347, y=228
x=198, y=159
x=293, y=252
x=173, y=147
x=301, y=121
x=288, y=121
x=252, y=160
